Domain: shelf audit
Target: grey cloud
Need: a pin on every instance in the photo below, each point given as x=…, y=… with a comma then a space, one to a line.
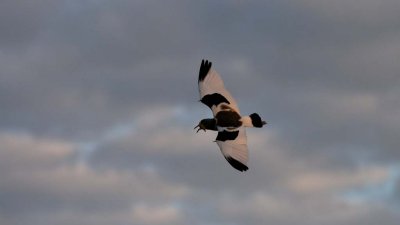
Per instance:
x=369, y=13
x=78, y=63
x=22, y=21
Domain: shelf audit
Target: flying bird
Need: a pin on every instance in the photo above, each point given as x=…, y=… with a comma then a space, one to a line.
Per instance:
x=231, y=126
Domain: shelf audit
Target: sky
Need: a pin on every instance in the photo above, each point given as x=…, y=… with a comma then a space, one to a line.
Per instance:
x=98, y=100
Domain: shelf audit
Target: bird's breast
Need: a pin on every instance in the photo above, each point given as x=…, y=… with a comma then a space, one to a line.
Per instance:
x=228, y=118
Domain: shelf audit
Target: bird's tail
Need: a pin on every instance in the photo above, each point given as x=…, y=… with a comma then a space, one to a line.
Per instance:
x=253, y=120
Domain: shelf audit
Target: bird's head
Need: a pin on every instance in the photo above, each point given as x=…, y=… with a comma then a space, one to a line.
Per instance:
x=206, y=124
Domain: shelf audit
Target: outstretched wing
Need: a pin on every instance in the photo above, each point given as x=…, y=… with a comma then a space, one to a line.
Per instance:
x=233, y=145
x=212, y=89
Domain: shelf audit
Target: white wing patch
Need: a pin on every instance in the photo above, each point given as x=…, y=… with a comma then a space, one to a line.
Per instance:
x=212, y=90
x=235, y=151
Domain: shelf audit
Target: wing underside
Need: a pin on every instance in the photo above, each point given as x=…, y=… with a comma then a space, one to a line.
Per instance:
x=212, y=89
x=233, y=146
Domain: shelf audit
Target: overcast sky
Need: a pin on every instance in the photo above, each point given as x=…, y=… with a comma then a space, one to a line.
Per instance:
x=98, y=100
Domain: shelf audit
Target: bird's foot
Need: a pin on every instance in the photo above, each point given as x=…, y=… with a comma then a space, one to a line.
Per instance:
x=200, y=128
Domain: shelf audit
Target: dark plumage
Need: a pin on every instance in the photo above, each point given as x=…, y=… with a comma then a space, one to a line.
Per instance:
x=227, y=135
x=256, y=120
x=214, y=100
x=236, y=164
x=204, y=68
x=228, y=119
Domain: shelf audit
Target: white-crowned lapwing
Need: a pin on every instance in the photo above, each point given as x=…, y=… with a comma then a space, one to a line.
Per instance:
x=227, y=120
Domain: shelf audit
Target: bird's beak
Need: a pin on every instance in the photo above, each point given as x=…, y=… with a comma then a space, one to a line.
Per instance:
x=200, y=128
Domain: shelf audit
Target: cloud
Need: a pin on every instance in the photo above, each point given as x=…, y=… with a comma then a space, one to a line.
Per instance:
x=32, y=153
x=316, y=182
x=169, y=214
x=23, y=21
x=49, y=181
x=366, y=12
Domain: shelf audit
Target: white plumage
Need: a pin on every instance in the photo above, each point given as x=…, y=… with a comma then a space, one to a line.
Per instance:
x=213, y=83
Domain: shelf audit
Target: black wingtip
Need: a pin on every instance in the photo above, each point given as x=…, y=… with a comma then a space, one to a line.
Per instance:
x=204, y=68
x=236, y=164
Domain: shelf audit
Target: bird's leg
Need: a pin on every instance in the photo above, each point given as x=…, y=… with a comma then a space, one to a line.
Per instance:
x=201, y=127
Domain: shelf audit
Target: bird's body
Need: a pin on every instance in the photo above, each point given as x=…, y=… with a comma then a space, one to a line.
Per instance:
x=227, y=120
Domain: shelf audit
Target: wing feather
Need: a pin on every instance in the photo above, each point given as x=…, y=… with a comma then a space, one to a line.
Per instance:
x=235, y=151
x=212, y=90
